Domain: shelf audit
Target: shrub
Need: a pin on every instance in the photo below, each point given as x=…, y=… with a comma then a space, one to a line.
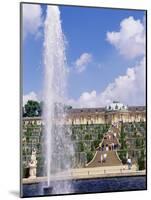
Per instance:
x=138, y=143
x=25, y=172
x=73, y=136
x=92, y=147
x=141, y=161
x=89, y=156
x=80, y=147
x=99, y=136
x=88, y=137
x=122, y=156
x=96, y=143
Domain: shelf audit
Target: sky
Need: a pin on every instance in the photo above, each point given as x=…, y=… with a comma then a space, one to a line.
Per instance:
x=105, y=50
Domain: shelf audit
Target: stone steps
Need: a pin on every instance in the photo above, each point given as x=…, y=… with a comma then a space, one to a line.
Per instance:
x=111, y=159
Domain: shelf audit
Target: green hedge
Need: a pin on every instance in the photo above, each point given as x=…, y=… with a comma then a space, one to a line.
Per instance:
x=89, y=156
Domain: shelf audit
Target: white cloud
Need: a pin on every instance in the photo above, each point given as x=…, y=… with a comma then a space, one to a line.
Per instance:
x=32, y=19
x=82, y=62
x=130, y=40
x=128, y=89
x=87, y=99
x=30, y=96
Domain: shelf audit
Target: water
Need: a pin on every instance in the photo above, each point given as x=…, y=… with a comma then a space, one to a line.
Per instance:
x=58, y=149
x=94, y=185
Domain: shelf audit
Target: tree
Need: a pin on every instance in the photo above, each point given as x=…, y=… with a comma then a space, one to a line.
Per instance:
x=32, y=109
x=141, y=161
x=68, y=107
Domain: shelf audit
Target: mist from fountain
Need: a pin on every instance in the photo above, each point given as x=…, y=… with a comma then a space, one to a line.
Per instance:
x=58, y=151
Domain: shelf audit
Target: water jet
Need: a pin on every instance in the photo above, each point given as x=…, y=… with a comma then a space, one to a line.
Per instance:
x=58, y=147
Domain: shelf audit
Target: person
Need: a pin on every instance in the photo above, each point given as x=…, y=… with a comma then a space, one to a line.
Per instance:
x=129, y=163
x=107, y=148
x=101, y=158
x=105, y=156
x=115, y=146
x=100, y=147
x=112, y=146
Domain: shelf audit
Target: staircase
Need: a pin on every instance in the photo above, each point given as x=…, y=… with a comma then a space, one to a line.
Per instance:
x=111, y=159
x=107, y=147
x=109, y=139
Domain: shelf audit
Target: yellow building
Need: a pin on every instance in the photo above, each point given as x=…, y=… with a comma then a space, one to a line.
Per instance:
x=110, y=114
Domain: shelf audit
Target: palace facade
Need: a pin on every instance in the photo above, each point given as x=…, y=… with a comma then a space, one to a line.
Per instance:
x=110, y=114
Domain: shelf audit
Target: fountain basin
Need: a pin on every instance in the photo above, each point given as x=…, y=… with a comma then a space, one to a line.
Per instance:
x=47, y=190
x=93, y=185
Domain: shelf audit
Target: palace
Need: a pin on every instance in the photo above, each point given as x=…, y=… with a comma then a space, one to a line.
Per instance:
x=110, y=114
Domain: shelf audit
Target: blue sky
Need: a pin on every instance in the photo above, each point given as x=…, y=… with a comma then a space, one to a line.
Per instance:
x=107, y=58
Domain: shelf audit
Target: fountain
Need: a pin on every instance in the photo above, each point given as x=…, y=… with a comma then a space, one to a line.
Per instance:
x=58, y=146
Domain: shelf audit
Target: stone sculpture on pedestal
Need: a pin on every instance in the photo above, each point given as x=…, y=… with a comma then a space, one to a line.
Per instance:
x=33, y=165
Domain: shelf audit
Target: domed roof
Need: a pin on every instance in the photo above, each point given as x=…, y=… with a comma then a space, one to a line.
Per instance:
x=116, y=106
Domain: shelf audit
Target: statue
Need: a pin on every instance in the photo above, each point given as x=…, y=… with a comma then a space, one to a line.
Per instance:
x=33, y=165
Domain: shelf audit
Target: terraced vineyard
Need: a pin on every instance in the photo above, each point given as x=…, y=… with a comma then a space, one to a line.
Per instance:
x=86, y=139
x=133, y=143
